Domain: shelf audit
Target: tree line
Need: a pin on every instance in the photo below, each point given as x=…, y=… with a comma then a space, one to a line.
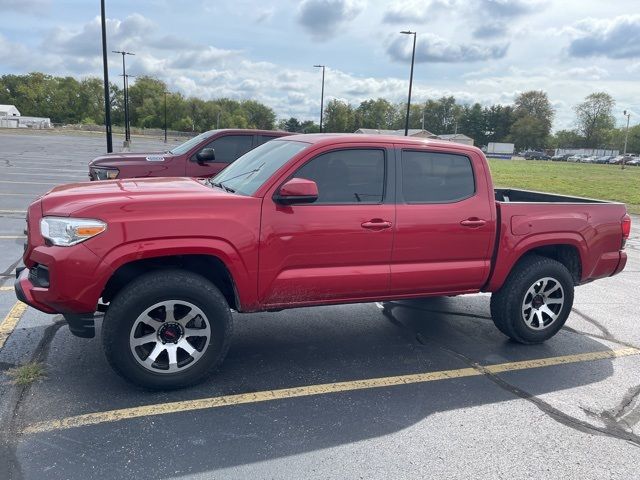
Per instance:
x=527, y=122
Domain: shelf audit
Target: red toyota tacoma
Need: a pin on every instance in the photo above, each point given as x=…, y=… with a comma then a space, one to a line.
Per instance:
x=202, y=156
x=300, y=221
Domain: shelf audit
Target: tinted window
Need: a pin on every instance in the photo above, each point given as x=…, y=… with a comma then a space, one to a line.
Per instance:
x=264, y=138
x=436, y=177
x=231, y=147
x=247, y=174
x=347, y=176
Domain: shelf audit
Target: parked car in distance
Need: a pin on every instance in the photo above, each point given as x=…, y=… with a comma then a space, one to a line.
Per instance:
x=535, y=155
x=617, y=160
x=604, y=159
x=576, y=158
x=284, y=226
x=202, y=156
x=633, y=161
x=589, y=159
x=560, y=158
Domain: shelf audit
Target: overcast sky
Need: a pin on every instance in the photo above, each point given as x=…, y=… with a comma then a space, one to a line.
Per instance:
x=477, y=50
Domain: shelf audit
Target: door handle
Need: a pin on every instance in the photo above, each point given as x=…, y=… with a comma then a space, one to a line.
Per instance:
x=473, y=222
x=376, y=224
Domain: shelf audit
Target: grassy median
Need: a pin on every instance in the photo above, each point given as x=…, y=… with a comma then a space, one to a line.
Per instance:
x=606, y=182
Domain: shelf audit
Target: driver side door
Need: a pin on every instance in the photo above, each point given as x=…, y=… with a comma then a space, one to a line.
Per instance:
x=228, y=149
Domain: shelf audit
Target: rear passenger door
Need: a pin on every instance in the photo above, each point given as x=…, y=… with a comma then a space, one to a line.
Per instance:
x=228, y=149
x=444, y=223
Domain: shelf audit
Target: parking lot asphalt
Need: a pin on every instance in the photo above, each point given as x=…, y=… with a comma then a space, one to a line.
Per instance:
x=412, y=389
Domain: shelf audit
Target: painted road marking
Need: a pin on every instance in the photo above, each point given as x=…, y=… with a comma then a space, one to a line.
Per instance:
x=2, y=210
x=12, y=237
x=27, y=183
x=311, y=390
x=10, y=321
x=32, y=195
x=6, y=289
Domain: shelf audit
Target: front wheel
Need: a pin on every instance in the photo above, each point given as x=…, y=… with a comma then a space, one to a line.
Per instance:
x=535, y=300
x=167, y=329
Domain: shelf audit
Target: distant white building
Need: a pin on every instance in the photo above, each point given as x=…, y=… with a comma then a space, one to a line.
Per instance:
x=413, y=132
x=457, y=138
x=9, y=111
x=10, y=117
x=421, y=133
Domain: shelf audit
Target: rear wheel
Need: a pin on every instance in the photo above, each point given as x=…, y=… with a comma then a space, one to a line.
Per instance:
x=535, y=300
x=167, y=329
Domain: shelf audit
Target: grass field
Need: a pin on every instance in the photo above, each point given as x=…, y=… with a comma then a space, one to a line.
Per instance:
x=606, y=182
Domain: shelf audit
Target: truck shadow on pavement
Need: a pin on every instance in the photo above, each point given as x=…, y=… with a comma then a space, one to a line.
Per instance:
x=291, y=348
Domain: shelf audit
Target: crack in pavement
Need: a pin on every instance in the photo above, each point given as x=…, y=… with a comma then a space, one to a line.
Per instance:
x=611, y=428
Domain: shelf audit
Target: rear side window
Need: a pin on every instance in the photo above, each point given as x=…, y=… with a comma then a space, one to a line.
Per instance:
x=231, y=147
x=347, y=176
x=429, y=177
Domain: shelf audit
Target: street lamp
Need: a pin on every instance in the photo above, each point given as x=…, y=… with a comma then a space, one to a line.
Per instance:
x=626, y=137
x=321, y=95
x=107, y=101
x=413, y=57
x=127, y=136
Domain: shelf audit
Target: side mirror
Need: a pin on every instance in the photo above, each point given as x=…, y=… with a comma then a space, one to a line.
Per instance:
x=206, y=155
x=297, y=190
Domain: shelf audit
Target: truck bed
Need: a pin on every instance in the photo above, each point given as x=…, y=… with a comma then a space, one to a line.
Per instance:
x=509, y=195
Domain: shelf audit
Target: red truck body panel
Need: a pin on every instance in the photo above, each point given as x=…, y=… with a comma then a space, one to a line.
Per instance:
x=283, y=256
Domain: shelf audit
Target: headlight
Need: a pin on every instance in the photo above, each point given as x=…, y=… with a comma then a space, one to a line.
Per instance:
x=105, y=173
x=64, y=232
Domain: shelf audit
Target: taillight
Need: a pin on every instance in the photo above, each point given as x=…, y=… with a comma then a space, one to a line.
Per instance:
x=626, y=229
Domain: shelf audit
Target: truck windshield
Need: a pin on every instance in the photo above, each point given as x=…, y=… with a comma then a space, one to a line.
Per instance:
x=250, y=171
x=189, y=144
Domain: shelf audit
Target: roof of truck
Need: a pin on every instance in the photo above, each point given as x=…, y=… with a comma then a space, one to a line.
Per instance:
x=337, y=138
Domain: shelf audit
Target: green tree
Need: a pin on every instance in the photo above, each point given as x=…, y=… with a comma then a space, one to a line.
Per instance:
x=528, y=132
x=473, y=123
x=339, y=117
x=595, y=118
x=258, y=115
x=378, y=113
x=566, y=139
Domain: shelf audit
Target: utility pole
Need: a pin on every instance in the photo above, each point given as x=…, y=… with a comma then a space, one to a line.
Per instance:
x=127, y=130
x=626, y=138
x=321, y=95
x=127, y=137
x=107, y=101
x=165, y=116
x=413, y=57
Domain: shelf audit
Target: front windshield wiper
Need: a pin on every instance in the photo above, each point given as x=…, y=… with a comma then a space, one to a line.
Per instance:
x=229, y=189
x=222, y=186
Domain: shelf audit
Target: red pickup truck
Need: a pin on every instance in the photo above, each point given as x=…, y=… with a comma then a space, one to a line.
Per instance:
x=202, y=156
x=301, y=221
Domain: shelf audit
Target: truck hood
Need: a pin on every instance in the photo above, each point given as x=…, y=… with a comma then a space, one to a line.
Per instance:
x=64, y=200
x=117, y=159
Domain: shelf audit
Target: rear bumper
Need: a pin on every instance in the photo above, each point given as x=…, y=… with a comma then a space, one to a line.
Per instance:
x=621, y=263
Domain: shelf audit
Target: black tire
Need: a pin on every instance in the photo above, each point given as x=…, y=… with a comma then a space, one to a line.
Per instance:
x=507, y=303
x=148, y=290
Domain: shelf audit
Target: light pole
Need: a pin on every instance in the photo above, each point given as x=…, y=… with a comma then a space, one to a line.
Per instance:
x=165, y=116
x=321, y=95
x=127, y=130
x=413, y=57
x=126, y=97
x=626, y=137
x=107, y=101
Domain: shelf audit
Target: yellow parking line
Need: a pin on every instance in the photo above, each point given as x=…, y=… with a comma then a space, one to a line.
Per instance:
x=10, y=321
x=28, y=183
x=310, y=390
x=6, y=289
